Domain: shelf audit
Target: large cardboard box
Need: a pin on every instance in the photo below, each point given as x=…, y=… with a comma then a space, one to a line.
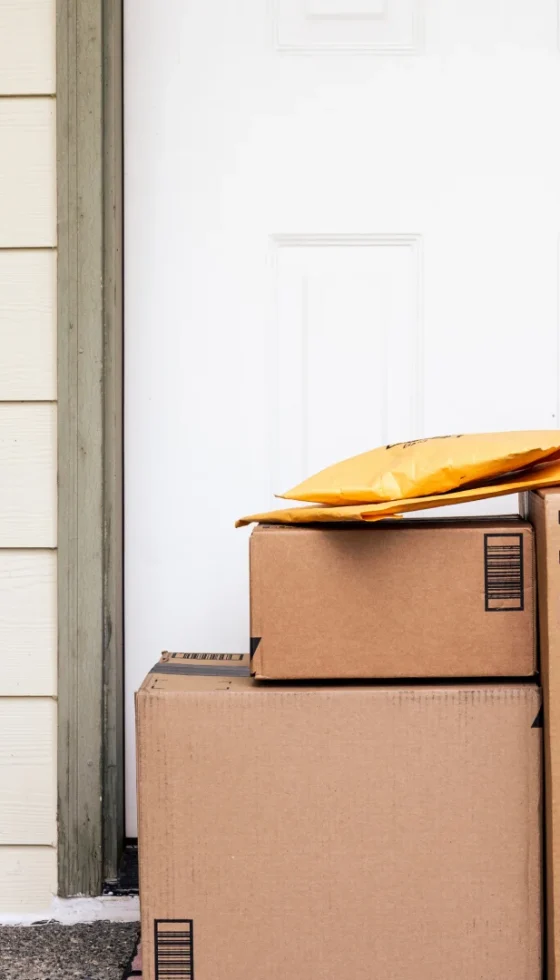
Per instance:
x=544, y=512
x=328, y=832
x=405, y=599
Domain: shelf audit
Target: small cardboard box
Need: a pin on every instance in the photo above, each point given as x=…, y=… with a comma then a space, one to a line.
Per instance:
x=543, y=508
x=320, y=832
x=404, y=599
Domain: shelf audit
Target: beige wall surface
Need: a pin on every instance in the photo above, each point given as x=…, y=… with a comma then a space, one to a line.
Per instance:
x=27, y=455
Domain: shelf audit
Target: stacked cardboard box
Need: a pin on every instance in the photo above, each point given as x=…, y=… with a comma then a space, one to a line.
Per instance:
x=329, y=816
x=543, y=509
x=409, y=599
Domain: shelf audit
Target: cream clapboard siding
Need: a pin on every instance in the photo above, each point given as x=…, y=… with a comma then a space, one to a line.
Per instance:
x=27, y=157
x=27, y=47
x=27, y=774
x=28, y=482
x=28, y=876
x=27, y=623
x=27, y=314
x=27, y=456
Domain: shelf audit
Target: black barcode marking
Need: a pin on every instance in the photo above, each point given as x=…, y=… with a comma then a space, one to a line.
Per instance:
x=503, y=572
x=207, y=656
x=174, y=957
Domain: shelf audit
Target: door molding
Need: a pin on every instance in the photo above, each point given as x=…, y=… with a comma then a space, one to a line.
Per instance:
x=90, y=427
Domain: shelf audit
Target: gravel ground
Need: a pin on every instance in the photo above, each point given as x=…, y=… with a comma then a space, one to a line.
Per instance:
x=100, y=951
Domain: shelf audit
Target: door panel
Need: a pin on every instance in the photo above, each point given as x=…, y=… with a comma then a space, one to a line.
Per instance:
x=346, y=308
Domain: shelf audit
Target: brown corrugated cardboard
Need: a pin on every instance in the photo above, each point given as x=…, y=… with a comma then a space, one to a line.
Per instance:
x=330, y=831
x=407, y=599
x=544, y=512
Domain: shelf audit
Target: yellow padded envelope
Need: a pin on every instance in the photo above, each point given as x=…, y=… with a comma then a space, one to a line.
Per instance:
x=425, y=467
x=543, y=475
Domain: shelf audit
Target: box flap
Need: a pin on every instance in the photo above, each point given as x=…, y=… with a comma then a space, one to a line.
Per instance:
x=197, y=671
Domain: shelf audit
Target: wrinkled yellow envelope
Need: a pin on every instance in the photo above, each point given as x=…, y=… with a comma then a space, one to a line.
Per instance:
x=543, y=475
x=426, y=466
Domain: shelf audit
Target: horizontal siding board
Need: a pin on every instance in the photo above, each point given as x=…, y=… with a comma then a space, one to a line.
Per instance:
x=27, y=623
x=27, y=475
x=28, y=325
x=27, y=173
x=27, y=879
x=27, y=47
x=27, y=771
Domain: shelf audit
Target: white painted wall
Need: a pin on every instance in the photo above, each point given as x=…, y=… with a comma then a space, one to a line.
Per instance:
x=27, y=457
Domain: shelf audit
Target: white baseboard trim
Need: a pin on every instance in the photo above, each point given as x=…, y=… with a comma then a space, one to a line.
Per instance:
x=74, y=911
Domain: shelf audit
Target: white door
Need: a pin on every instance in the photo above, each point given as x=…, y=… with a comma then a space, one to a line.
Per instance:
x=342, y=222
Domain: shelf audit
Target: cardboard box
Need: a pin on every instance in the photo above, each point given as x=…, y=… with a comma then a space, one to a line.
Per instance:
x=337, y=831
x=407, y=599
x=543, y=508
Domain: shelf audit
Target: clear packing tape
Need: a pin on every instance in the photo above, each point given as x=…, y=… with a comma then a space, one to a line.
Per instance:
x=537, y=476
